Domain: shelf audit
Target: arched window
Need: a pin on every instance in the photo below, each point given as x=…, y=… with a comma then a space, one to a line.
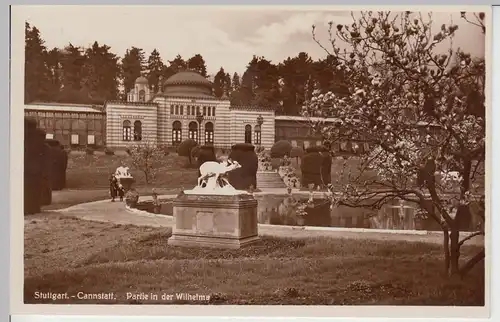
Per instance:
x=193, y=131
x=176, y=133
x=258, y=134
x=209, y=133
x=127, y=130
x=142, y=95
x=248, y=133
x=137, y=131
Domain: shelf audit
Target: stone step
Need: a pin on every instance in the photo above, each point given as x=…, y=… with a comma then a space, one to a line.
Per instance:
x=269, y=180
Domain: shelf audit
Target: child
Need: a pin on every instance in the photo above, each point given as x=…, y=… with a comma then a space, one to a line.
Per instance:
x=121, y=191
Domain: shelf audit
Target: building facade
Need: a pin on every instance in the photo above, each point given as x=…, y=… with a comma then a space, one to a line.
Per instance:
x=70, y=124
x=183, y=108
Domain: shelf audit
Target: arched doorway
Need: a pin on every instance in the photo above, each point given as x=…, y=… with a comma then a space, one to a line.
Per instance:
x=209, y=133
x=258, y=134
x=248, y=133
x=193, y=131
x=127, y=130
x=137, y=131
x=176, y=133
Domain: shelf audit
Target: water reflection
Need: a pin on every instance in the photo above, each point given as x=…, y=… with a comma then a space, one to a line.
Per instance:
x=281, y=210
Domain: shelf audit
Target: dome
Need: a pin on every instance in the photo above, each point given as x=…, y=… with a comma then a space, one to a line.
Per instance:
x=142, y=80
x=187, y=84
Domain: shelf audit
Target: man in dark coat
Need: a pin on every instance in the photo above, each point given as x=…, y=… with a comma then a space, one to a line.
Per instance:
x=113, y=186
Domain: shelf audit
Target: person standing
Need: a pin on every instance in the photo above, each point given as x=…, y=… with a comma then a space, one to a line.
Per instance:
x=113, y=186
x=121, y=191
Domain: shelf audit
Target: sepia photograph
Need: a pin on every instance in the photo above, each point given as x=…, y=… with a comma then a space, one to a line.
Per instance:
x=281, y=155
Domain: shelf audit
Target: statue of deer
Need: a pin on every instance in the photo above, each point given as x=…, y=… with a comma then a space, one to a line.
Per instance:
x=215, y=169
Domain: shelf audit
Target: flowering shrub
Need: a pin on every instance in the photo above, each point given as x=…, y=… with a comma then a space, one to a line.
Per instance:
x=145, y=157
x=420, y=109
x=264, y=160
x=285, y=161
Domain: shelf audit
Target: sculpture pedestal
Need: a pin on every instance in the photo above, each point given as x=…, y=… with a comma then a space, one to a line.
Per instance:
x=126, y=182
x=217, y=221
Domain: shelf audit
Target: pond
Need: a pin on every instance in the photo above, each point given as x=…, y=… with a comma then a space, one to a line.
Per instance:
x=282, y=210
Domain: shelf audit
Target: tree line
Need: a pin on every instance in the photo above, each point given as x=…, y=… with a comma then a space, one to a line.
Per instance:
x=92, y=75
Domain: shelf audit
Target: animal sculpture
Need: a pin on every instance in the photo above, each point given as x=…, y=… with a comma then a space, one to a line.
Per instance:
x=122, y=172
x=212, y=171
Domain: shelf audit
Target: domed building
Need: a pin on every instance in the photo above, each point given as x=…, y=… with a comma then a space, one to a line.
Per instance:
x=185, y=107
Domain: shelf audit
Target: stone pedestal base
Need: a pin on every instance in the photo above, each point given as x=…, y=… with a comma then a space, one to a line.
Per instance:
x=126, y=182
x=217, y=221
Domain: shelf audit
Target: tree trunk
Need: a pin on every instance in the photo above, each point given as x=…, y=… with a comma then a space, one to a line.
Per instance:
x=446, y=246
x=471, y=263
x=454, y=251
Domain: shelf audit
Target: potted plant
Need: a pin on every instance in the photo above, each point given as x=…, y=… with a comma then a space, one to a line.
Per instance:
x=131, y=198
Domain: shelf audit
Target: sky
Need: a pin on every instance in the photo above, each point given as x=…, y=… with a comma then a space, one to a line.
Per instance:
x=225, y=36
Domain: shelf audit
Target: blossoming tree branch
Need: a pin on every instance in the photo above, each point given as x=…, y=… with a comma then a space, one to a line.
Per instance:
x=419, y=105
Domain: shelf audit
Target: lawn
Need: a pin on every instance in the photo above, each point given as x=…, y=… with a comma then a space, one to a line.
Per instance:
x=87, y=178
x=88, y=175
x=93, y=171
x=121, y=259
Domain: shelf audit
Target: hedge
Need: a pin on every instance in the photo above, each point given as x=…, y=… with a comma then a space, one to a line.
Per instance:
x=59, y=164
x=296, y=152
x=205, y=153
x=326, y=167
x=32, y=167
x=38, y=168
x=185, y=147
x=47, y=172
x=245, y=176
x=280, y=149
x=316, y=166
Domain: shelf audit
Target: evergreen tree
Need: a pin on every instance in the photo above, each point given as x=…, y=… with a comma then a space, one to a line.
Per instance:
x=259, y=84
x=36, y=73
x=132, y=65
x=227, y=84
x=197, y=63
x=53, y=60
x=295, y=73
x=235, y=82
x=175, y=66
x=101, y=73
x=72, y=67
x=155, y=70
x=219, y=82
